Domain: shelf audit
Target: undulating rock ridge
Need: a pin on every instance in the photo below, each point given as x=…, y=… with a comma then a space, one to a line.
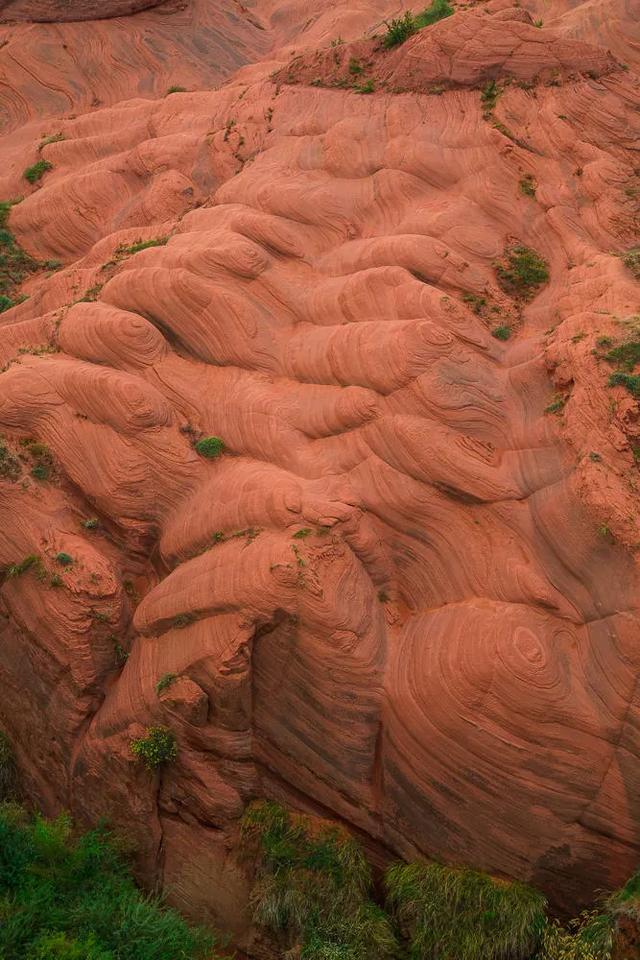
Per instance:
x=405, y=597
x=62, y=10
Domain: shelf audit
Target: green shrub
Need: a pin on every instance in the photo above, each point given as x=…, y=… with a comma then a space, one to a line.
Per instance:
x=475, y=302
x=157, y=747
x=501, y=333
x=313, y=885
x=399, y=29
x=69, y=897
x=629, y=381
x=37, y=171
x=165, y=682
x=463, y=914
x=523, y=272
x=367, y=87
x=438, y=10
x=92, y=523
x=64, y=559
x=176, y=89
x=626, y=355
x=210, y=447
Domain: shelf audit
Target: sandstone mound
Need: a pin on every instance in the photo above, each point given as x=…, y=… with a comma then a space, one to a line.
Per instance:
x=404, y=591
x=465, y=50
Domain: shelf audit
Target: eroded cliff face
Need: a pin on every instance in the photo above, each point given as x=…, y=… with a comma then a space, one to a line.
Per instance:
x=405, y=596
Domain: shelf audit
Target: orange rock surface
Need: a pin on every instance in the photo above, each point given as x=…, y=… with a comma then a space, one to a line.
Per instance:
x=405, y=596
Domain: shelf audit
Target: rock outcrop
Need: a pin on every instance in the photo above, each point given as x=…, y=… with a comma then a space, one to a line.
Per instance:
x=62, y=10
x=404, y=596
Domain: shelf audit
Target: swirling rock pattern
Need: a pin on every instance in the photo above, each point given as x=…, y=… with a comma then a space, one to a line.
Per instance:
x=391, y=600
x=61, y=10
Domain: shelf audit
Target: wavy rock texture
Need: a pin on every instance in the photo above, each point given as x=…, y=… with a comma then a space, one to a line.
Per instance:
x=405, y=596
x=61, y=10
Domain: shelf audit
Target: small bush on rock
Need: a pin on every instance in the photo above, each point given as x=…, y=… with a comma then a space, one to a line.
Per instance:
x=157, y=747
x=210, y=447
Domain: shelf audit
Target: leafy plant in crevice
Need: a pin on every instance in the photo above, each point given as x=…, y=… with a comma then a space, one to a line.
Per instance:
x=313, y=887
x=15, y=263
x=156, y=748
x=463, y=914
x=66, y=896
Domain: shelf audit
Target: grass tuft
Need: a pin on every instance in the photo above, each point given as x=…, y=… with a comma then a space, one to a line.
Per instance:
x=501, y=333
x=313, y=887
x=401, y=28
x=165, y=682
x=37, y=171
x=460, y=913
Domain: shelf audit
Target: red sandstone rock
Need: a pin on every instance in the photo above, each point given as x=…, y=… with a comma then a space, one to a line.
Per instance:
x=392, y=598
x=62, y=10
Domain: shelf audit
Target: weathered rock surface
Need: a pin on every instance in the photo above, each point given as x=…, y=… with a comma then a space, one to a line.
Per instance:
x=62, y=10
x=405, y=596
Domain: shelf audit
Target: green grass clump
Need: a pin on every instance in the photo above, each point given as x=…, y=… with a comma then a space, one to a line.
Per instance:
x=210, y=447
x=139, y=245
x=437, y=10
x=367, y=87
x=625, y=355
x=462, y=914
x=165, y=682
x=176, y=89
x=52, y=138
x=631, y=260
x=64, y=559
x=523, y=272
x=17, y=569
x=528, y=186
x=401, y=28
x=501, y=333
x=313, y=887
x=629, y=381
x=37, y=171
x=66, y=896
x=157, y=747
x=91, y=523
x=15, y=263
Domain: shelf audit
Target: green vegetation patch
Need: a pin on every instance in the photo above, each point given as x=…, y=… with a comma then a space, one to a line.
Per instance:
x=522, y=272
x=15, y=263
x=156, y=748
x=631, y=260
x=210, y=447
x=165, y=682
x=313, y=887
x=37, y=171
x=66, y=896
x=139, y=245
x=501, y=333
x=630, y=381
x=401, y=28
x=528, y=185
x=448, y=912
